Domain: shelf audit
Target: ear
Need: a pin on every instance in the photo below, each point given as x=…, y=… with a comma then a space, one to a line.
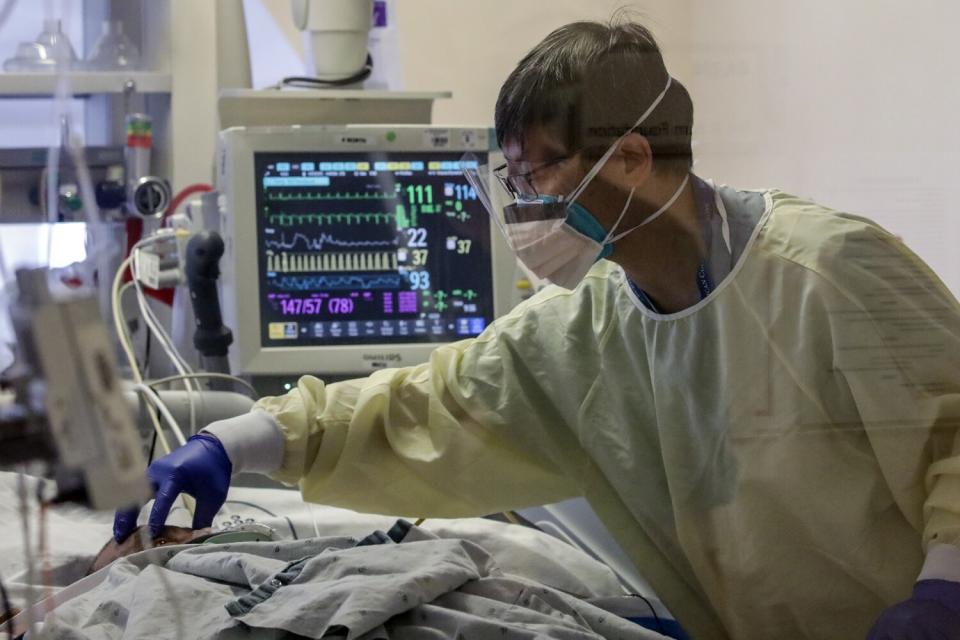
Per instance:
x=636, y=159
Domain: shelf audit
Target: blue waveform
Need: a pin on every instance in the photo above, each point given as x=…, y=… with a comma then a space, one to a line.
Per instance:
x=317, y=243
x=340, y=282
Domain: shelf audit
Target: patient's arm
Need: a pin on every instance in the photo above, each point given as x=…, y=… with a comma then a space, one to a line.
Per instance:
x=134, y=543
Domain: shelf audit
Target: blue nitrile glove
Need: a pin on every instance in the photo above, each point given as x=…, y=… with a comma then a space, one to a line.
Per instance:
x=200, y=468
x=933, y=612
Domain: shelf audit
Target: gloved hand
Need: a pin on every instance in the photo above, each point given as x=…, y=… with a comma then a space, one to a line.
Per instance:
x=200, y=468
x=932, y=613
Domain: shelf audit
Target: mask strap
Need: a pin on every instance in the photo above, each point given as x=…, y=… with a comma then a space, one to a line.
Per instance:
x=656, y=214
x=595, y=169
x=623, y=212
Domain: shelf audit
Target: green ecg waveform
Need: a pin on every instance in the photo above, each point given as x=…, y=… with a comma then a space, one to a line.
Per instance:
x=301, y=196
x=404, y=217
x=289, y=219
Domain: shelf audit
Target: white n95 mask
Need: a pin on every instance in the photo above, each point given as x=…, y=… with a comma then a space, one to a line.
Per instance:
x=563, y=250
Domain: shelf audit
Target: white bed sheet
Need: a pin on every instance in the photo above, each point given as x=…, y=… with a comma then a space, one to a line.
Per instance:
x=76, y=534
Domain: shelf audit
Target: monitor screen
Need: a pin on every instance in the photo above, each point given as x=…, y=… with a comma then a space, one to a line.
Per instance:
x=370, y=248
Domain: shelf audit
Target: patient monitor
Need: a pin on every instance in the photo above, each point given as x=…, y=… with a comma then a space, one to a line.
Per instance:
x=355, y=248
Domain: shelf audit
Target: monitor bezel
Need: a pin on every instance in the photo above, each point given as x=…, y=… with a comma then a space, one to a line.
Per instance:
x=237, y=186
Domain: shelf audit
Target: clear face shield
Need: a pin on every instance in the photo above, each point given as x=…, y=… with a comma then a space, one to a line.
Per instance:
x=511, y=213
x=554, y=236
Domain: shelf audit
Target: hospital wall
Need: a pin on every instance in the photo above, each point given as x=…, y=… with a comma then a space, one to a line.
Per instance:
x=467, y=48
x=852, y=103
x=471, y=47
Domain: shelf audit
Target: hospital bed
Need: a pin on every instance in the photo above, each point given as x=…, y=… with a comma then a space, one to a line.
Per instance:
x=561, y=546
x=572, y=521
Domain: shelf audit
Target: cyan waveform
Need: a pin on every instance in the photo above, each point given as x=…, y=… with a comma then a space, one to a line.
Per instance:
x=318, y=242
x=340, y=282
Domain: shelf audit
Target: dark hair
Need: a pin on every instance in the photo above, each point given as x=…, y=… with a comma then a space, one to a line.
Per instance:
x=588, y=83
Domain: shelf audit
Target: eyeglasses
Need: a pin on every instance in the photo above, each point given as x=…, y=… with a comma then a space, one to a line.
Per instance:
x=520, y=185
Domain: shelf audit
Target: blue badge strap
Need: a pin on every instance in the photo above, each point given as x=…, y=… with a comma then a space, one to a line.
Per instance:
x=706, y=209
x=642, y=296
x=703, y=282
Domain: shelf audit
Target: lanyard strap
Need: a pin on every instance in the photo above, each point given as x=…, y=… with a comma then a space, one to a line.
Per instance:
x=703, y=281
x=708, y=201
x=704, y=285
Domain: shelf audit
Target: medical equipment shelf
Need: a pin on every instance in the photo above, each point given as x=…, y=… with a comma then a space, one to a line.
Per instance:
x=272, y=107
x=83, y=83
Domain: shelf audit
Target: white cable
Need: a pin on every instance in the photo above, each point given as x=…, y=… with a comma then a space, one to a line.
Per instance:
x=27, y=551
x=200, y=375
x=118, y=323
x=165, y=341
x=159, y=333
x=120, y=327
x=148, y=312
x=126, y=344
x=123, y=289
x=154, y=399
